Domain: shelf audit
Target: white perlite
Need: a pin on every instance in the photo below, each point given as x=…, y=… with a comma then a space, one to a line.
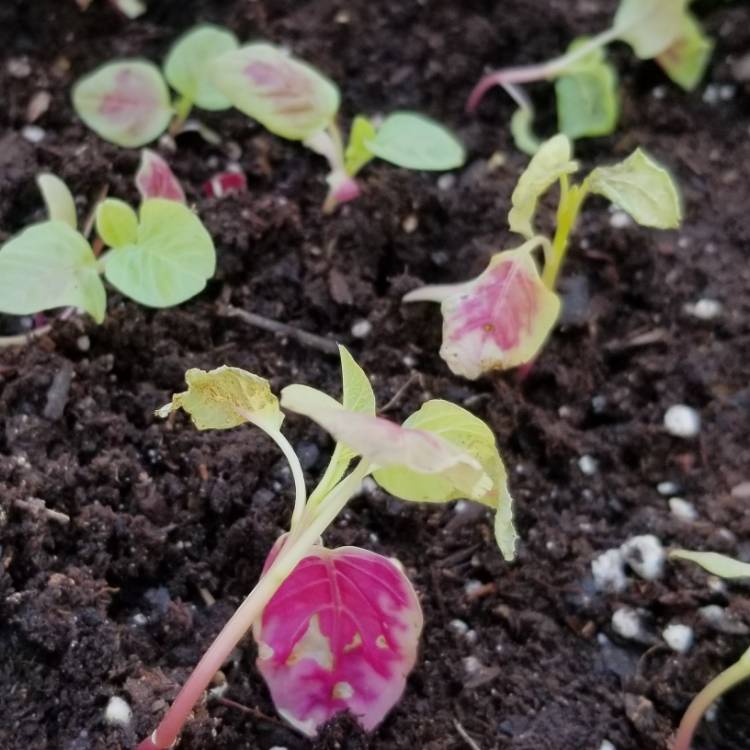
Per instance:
x=361, y=329
x=607, y=745
x=608, y=570
x=682, y=421
x=118, y=712
x=645, y=555
x=588, y=465
x=704, y=309
x=626, y=622
x=678, y=637
x=667, y=488
x=682, y=509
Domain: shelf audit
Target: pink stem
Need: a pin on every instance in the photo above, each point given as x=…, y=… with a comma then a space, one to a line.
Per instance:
x=503, y=78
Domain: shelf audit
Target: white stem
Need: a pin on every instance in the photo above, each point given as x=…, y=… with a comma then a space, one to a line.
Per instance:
x=300, y=491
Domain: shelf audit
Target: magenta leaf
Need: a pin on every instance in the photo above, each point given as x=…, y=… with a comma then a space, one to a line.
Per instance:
x=341, y=633
x=225, y=183
x=155, y=179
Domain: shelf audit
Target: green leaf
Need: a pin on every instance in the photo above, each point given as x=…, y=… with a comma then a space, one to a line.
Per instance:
x=460, y=428
x=587, y=98
x=686, y=59
x=50, y=265
x=226, y=397
x=642, y=188
x=125, y=102
x=130, y=8
x=521, y=128
x=718, y=565
x=358, y=397
x=169, y=261
x=649, y=26
x=412, y=141
x=288, y=97
x=187, y=67
x=357, y=152
x=116, y=223
x=548, y=165
x=61, y=205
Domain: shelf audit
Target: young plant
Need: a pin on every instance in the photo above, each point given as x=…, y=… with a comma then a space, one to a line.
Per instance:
x=159, y=257
x=338, y=629
x=724, y=567
x=586, y=84
x=293, y=100
x=127, y=102
x=502, y=318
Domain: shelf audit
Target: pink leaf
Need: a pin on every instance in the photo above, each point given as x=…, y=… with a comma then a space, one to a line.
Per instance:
x=225, y=183
x=155, y=179
x=341, y=633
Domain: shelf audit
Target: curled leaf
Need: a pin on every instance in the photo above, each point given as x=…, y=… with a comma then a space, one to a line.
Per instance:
x=642, y=187
x=226, y=397
x=125, y=102
x=685, y=60
x=522, y=130
x=341, y=633
x=466, y=431
x=500, y=319
x=358, y=152
x=170, y=259
x=553, y=160
x=649, y=26
x=385, y=443
x=288, y=97
x=50, y=265
x=714, y=563
x=61, y=205
x=155, y=179
x=187, y=67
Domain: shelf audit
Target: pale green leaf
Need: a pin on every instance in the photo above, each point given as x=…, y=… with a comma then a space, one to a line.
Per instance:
x=171, y=259
x=713, y=562
x=288, y=97
x=649, y=26
x=226, y=397
x=522, y=130
x=413, y=141
x=686, y=59
x=553, y=160
x=358, y=396
x=187, y=67
x=61, y=205
x=357, y=152
x=116, y=223
x=642, y=188
x=125, y=102
x=50, y=265
x=130, y=8
x=466, y=431
x=587, y=97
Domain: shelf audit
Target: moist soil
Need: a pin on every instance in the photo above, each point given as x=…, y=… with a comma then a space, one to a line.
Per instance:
x=157, y=531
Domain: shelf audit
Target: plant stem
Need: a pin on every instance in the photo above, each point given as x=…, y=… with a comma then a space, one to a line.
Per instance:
x=737, y=673
x=538, y=71
x=300, y=492
x=182, y=108
x=242, y=620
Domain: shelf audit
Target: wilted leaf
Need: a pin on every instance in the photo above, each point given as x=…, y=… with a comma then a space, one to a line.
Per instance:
x=341, y=633
x=125, y=102
x=649, y=26
x=522, y=130
x=685, y=60
x=155, y=179
x=61, y=205
x=50, y=265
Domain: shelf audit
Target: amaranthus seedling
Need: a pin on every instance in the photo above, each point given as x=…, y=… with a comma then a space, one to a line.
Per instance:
x=502, y=318
x=338, y=629
x=724, y=567
x=586, y=84
x=159, y=257
x=295, y=101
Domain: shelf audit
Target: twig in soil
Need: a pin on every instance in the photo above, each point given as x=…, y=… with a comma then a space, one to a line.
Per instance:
x=257, y=713
x=322, y=344
x=465, y=735
x=37, y=507
x=399, y=394
x=22, y=339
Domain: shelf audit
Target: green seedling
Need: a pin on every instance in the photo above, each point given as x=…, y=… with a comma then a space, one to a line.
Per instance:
x=502, y=318
x=160, y=256
x=586, y=83
x=442, y=452
x=724, y=567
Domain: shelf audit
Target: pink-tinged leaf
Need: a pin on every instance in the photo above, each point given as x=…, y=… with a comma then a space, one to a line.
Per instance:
x=499, y=320
x=225, y=183
x=341, y=633
x=155, y=179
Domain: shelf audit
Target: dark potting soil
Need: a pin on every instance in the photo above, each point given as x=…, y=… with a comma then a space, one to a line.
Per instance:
x=156, y=531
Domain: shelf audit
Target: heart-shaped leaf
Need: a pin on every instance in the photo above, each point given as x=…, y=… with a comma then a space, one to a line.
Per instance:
x=125, y=102
x=341, y=633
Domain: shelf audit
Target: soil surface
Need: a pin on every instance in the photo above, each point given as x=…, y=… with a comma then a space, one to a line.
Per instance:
x=157, y=531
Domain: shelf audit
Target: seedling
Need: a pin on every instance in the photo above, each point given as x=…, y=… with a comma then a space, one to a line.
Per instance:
x=338, y=629
x=724, y=567
x=159, y=257
x=502, y=318
x=586, y=83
